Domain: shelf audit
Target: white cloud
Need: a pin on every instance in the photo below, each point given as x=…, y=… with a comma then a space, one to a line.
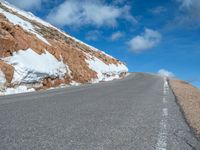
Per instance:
x=27, y=4
x=193, y=6
x=158, y=10
x=79, y=13
x=115, y=36
x=189, y=11
x=147, y=40
x=93, y=35
x=165, y=73
x=187, y=3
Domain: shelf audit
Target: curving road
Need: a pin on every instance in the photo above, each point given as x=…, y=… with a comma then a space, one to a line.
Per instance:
x=135, y=113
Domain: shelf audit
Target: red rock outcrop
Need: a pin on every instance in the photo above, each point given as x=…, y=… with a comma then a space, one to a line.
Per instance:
x=14, y=38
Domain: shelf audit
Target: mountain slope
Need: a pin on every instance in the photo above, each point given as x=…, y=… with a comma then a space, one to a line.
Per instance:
x=37, y=55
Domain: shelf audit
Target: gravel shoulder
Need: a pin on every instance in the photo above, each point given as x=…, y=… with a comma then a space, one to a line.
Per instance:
x=188, y=98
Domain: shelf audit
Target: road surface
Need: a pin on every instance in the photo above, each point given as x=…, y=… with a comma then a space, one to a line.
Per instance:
x=135, y=113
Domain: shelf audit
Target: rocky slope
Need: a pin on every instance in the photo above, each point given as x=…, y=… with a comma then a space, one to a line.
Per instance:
x=35, y=55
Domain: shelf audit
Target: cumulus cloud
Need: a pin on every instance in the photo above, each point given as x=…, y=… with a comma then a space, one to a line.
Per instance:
x=147, y=40
x=86, y=12
x=27, y=4
x=117, y=35
x=165, y=73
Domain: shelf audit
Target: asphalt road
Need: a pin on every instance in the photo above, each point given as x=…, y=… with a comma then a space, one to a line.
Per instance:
x=135, y=113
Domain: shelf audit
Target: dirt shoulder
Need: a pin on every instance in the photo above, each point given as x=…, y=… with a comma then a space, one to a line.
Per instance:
x=189, y=99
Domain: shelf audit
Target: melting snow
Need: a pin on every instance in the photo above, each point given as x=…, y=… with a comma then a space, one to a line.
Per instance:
x=17, y=90
x=105, y=72
x=31, y=67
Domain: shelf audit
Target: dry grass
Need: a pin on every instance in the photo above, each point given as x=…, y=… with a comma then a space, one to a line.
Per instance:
x=189, y=99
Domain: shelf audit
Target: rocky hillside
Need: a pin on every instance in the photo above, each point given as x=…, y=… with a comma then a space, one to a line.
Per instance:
x=35, y=55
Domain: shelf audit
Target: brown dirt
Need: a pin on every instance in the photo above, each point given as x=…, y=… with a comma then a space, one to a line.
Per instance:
x=189, y=99
x=54, y=82
x=14, y=38
x=8, y=70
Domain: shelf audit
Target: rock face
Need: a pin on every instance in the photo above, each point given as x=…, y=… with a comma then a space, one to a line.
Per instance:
x=37, y=55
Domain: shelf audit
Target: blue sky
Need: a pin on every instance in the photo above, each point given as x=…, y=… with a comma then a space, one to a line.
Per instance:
x=148, y=35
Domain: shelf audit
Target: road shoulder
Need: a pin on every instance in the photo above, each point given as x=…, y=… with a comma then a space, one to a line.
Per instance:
x=188, y=97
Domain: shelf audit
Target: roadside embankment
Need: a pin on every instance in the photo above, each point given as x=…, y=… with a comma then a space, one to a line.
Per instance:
x=188, y=98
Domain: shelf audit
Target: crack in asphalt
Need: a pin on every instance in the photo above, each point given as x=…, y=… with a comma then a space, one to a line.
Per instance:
x=184, y=139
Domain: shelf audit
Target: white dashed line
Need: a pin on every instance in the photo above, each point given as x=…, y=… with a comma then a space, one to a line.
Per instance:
x=165, y=112
x=162, y=136
x=164, y=100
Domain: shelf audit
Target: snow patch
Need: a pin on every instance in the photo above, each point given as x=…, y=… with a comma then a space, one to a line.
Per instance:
x=74, y=83
x=28, y=15
x=17, y=90
x=31, y=67
x=105, y=72
x=24, y=24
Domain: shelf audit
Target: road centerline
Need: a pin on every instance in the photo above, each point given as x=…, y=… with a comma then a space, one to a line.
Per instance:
x=162, y=136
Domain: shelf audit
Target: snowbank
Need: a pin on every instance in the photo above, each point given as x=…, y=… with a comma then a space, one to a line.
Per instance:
x=105, y=72
x=31, y=67
x=17, y=90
